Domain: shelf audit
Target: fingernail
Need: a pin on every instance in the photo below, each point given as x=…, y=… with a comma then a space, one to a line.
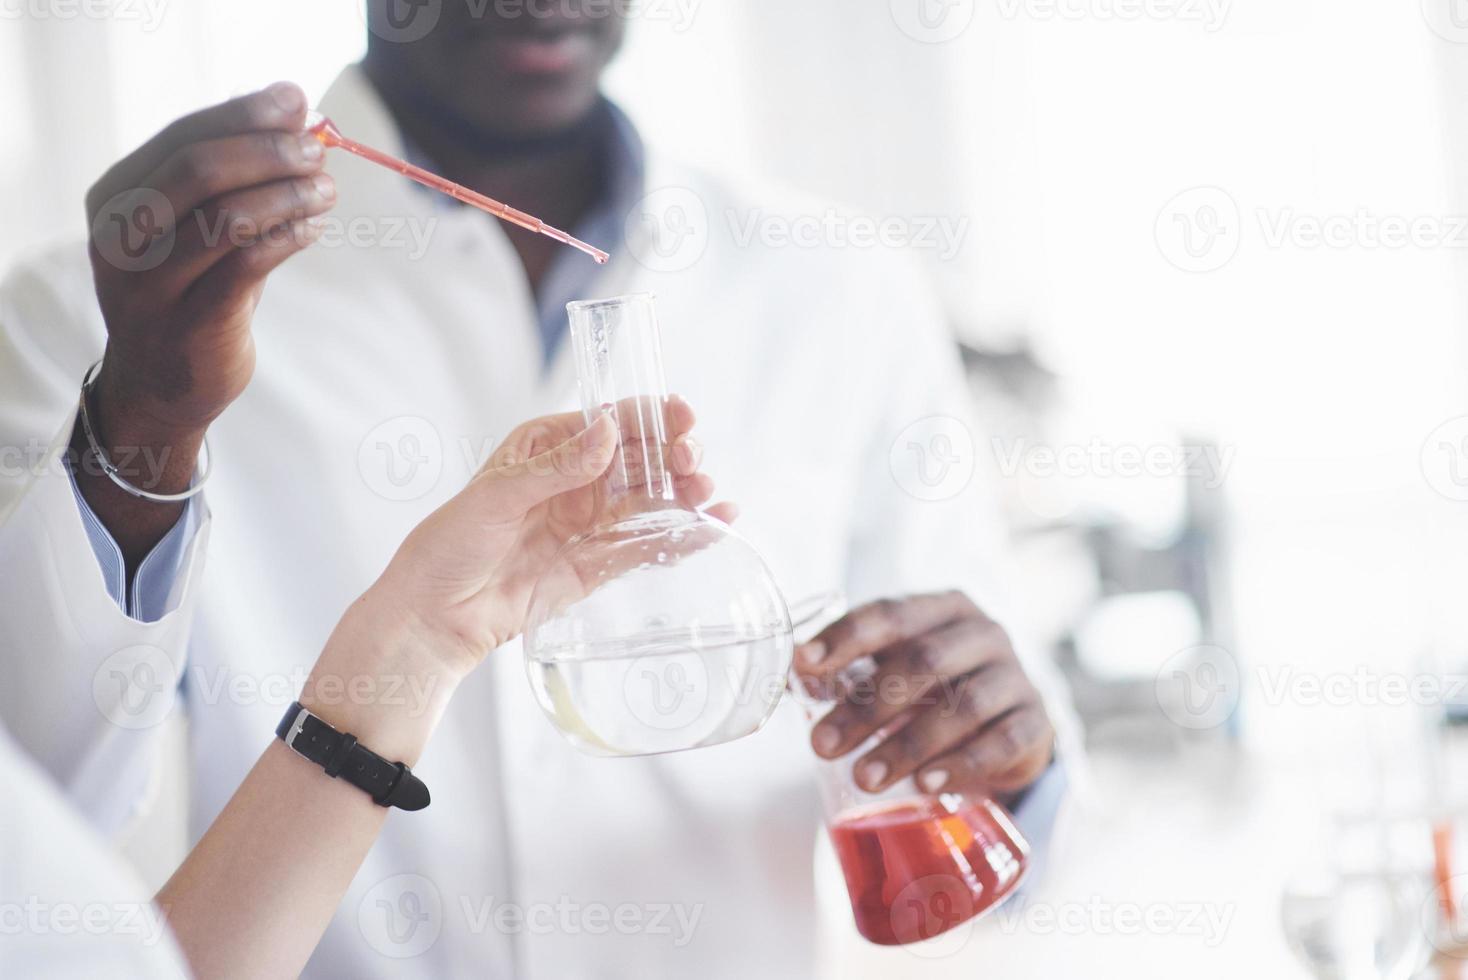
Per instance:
x=287, y=96
x=825, y=738
x=873, y=771
x=311, y=148
x=325, y=186
x=934, y=779
x=813, y=653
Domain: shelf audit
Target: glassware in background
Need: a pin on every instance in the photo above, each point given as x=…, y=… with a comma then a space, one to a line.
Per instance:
x=916, y=864
x=1364, y=907
x=1446, y=910
x=660, y=629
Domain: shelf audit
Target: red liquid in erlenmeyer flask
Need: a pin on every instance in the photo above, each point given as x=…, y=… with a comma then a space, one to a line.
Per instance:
x=918, y=868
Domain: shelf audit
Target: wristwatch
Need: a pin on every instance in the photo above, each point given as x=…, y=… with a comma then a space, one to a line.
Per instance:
x=340, y=754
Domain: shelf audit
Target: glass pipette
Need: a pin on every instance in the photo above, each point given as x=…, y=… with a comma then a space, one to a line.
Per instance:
x=325, y=131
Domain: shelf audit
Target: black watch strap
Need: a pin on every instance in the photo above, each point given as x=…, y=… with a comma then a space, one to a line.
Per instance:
x=340, y=754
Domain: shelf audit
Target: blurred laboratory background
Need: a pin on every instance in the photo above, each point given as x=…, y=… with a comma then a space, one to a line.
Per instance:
x=1205, y=260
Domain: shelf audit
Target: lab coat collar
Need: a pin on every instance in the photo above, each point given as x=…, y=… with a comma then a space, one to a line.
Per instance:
x=352, y=102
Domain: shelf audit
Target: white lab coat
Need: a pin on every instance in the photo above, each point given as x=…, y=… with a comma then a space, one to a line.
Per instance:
x=70, y=908
x=804, y=364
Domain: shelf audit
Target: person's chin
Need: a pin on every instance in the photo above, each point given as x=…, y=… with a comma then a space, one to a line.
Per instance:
x=528, y=107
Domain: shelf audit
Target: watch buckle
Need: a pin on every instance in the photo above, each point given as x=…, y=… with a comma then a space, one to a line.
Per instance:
x=296, y=726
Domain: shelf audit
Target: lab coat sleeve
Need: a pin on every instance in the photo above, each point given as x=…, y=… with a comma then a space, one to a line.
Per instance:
x=86, y=687
x=928, y=508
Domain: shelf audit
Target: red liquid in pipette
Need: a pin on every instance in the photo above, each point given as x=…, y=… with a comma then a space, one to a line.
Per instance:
x=916, y=869
x=325, y=131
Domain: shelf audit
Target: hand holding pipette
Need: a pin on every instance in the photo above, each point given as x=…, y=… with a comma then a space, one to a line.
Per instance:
x=185, y=231
x=325, y=131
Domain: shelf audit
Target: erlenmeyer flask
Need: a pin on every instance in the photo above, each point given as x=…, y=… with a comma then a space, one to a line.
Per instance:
x=916, y=864
x=659, y=629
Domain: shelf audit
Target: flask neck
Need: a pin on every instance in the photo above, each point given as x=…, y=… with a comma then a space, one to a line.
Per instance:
x=619, y=371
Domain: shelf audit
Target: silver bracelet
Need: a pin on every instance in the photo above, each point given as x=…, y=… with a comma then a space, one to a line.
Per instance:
x=111, y=470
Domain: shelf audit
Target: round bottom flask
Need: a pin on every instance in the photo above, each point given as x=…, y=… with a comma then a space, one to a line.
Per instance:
x=660, y=629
